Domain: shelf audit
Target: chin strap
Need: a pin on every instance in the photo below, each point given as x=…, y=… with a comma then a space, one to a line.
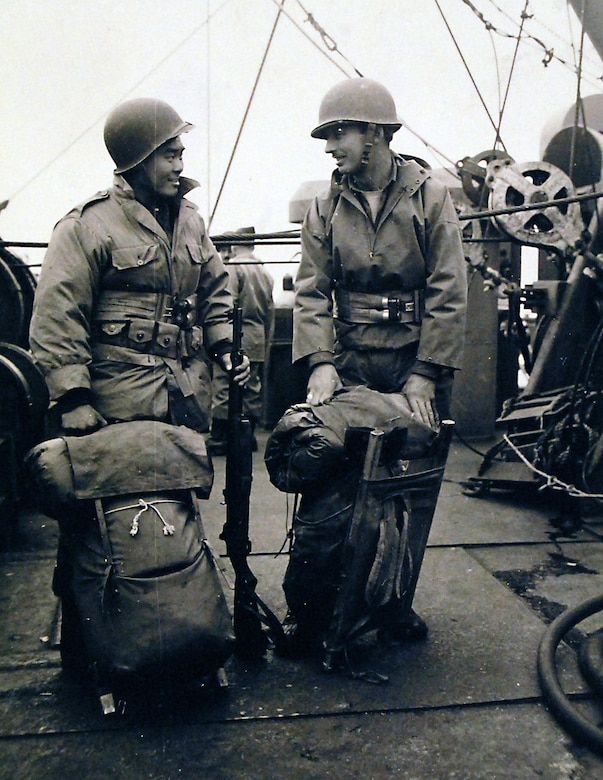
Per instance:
x=370, y=140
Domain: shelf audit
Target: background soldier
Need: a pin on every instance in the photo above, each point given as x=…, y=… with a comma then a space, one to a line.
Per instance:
x=380, y=291
x=251, y=286
x=132, y=300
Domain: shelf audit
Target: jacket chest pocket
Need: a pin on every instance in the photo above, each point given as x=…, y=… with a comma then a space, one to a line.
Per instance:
x=195, y=253
x=189, y=265
x=134, y=256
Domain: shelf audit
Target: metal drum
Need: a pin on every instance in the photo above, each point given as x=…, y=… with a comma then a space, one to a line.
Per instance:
x=17, y=289
x=23, y=404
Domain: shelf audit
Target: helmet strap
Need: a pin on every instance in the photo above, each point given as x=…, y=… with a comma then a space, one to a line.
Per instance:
x=370, y=140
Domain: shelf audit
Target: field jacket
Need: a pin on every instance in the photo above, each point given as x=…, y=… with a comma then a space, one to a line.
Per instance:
x=414, y=245
x=251, y=286
x=102, y=313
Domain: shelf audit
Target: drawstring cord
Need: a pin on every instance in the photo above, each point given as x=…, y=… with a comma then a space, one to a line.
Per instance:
x=168, y=529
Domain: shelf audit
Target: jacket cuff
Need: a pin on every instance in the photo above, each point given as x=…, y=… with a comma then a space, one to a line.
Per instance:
x=80, y=396
x=429, y=370
x=61, y=381
x=316, y=358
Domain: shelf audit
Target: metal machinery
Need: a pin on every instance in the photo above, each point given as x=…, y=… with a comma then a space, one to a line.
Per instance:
x=490, y=362
x=552, y=428
x=23, y=393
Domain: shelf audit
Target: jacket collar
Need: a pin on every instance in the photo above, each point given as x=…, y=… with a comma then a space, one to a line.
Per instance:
x=127, y=198
x=408, y=176
x=124, y=189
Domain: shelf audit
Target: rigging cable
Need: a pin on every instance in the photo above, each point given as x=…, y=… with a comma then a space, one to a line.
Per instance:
x=524, y=16
x=208, y=113
x=305, y=34
x=238, y=138
x=578, y=96
x=330, y=43
x=328, y=40
x=580, y=117
x=497, y=66
x=123, y=97
x=464, y=61
x=549, y=52
x=569, y=26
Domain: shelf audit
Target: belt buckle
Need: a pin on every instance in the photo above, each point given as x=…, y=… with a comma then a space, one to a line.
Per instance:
x=184, y=312
x=394, y=306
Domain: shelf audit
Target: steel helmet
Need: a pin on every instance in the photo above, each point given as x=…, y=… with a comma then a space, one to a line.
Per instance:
x=356, y=100
x=136, y=128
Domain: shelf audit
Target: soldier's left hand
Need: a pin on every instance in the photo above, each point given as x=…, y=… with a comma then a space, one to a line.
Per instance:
x=419, y=392
x=241, y=372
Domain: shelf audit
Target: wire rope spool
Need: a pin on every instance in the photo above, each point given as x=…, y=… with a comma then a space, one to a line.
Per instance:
x=473, y=172
x=12, y=304
x=523, y=184
x=23, y=404
x=23, y=395
x=27, y=283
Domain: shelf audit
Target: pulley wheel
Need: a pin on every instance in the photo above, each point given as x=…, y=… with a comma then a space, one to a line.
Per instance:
x=523, y=184
x=473, y=171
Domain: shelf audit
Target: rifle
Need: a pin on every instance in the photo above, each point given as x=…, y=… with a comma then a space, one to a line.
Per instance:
x=251, y=640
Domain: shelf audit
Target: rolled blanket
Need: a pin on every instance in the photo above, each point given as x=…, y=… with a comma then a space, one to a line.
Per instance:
x=307, y=446
x=123, y=458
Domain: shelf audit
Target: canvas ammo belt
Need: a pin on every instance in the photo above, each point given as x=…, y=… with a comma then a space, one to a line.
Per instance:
x=390, y=307
x=152, y=323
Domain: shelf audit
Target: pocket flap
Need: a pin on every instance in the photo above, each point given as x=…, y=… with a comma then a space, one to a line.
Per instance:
x=141, y=332
x=113, y=328
x=134, y=256
x=195, y=252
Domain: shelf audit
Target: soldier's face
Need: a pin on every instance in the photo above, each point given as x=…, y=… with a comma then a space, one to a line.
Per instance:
x=164, y=168
x=346, y=144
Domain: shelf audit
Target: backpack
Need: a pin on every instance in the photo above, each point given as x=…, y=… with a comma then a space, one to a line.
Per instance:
x=144, y=578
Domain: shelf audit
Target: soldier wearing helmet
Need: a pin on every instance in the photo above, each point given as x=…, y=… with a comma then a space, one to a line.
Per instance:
x=380, y=293
x=133, y=300
x=133, y=296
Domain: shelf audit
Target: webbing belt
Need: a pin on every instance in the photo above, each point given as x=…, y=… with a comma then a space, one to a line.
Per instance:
x=365, y=308
x=123, y=305
x=151, y=337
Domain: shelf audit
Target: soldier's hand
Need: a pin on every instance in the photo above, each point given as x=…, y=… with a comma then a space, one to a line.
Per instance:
x=241, y=373
x=82, y=419
x=419, y=392
x=323, y=383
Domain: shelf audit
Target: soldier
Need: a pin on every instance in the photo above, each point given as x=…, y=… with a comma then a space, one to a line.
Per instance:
x=132, y=300
x=251, y=286
x=380, y=294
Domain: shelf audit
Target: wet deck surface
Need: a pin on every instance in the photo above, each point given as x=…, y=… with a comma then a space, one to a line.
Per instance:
x=464, y=704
